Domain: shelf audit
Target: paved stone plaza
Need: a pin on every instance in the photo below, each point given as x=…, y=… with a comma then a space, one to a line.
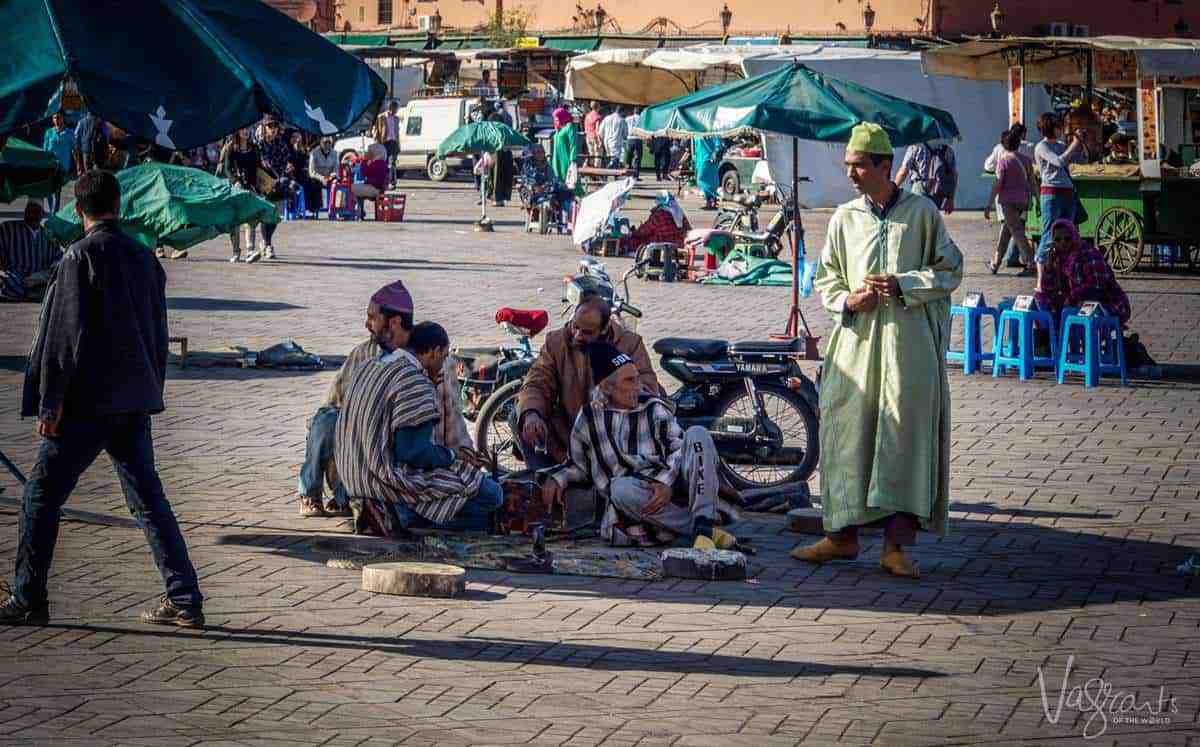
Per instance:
x=1071, y=509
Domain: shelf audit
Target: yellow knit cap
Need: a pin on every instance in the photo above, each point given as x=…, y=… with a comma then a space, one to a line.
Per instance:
x=868, y=137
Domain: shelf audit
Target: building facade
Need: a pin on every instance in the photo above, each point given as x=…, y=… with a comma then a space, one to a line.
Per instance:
x=942, y=18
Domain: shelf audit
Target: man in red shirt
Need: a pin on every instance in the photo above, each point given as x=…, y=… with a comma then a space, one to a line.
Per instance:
x=591, y=130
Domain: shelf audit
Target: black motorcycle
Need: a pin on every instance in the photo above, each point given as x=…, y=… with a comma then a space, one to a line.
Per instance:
x=740, y=218
x=764, y=429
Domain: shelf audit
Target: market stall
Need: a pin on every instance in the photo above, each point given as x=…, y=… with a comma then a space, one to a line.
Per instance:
x=1148, y=202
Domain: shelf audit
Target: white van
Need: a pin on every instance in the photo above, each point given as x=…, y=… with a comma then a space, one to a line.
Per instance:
x=424, y=124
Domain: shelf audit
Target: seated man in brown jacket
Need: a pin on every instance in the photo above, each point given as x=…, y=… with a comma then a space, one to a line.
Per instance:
x=560, y=382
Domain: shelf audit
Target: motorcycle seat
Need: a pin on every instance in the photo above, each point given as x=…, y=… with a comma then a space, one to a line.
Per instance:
x=748, y=200
x=690, y=349
x=529, y=321
x=766, y=347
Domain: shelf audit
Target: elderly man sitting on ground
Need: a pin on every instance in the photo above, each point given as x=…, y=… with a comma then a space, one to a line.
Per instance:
x=560, y=382
x=27, y=256
x=390, y=324
x=397, y=477
x=659, y=481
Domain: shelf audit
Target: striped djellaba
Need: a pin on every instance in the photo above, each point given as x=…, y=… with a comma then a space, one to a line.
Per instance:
x=384, y=396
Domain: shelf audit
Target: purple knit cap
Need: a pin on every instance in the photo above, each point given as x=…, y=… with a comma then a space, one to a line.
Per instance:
x=394, y=296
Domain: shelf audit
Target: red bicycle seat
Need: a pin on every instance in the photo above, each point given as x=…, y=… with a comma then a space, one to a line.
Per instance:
x=531, y=321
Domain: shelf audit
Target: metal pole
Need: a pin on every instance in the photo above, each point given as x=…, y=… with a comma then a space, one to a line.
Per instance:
x=793, y=325
x=1087, y=92
x=12, y=468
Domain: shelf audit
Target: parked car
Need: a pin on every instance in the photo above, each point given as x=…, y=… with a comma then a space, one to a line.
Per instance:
x=737, y=173
x=424, y=124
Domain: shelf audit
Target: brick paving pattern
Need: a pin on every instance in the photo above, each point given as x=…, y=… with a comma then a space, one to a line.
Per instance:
x=1071, y=509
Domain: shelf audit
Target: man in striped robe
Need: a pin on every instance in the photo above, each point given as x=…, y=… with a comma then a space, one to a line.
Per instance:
x=27, y=256
x=659, y=480
x=396, y=477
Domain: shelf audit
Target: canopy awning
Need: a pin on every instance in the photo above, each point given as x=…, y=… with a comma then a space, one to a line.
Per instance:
x=1063, y=60
x=358, y=40
x=573, y=43
x=648, y=76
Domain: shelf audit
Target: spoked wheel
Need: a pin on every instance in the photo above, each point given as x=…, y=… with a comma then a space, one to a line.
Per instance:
x=1120, y=234
x=494, y=429
x=795, y=418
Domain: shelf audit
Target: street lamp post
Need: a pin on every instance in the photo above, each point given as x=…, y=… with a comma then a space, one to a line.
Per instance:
x=997, y=16
x=868, y=17
x=726, y=19
x=600, y=15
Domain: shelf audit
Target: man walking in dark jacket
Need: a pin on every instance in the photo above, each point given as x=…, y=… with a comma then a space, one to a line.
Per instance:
x=94, y=378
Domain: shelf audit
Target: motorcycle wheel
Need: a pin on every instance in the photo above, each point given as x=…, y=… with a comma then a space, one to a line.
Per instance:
x=794, y=416
x=494, y=428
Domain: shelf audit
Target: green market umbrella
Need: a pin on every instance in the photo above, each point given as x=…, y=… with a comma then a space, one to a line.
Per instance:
x=482, y=137
x=178, y=73
x=797, y=102
x=28, y=171
x=173, y=206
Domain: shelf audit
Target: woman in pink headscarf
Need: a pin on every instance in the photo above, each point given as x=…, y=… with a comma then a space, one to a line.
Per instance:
x=1077, y=272
x=562, y=116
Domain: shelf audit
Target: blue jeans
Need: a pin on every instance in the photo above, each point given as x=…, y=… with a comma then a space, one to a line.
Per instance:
x=475, y=516
x=1054, y=207
x=60, y=462
x=318, y=453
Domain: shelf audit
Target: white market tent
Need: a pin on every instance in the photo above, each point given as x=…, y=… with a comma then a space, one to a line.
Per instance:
x=648, y=76
x=642, y=77
x=980, y=108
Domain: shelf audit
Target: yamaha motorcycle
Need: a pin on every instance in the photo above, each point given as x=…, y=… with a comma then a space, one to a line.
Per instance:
x=753, y=398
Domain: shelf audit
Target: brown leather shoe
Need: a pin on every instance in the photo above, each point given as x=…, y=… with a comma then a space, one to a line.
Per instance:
x=311, y=507
x=897, y=563
x=825, y=551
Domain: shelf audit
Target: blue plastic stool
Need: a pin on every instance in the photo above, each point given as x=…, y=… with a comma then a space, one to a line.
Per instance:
x=348, y=211
x=1097, y=331
x=972, y=354
x=1018, y=353
x=293, y=207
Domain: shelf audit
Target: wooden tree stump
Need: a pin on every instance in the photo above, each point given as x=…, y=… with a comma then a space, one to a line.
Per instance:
x=414, y=579
x=706, y=565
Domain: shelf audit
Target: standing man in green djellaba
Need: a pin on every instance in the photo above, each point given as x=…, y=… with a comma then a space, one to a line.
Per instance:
x=886, y=275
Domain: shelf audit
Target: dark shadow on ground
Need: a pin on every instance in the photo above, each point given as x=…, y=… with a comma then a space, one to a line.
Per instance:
x=991, y=508
x=466, y=221
x=223, y=366
x=980, y=568
x=12, y=363
x=544, y=653
x=439, y=262
x=188, y=303
x=391, y=267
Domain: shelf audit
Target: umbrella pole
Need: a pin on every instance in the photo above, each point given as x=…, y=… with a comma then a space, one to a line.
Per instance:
x=484, y=225
x=795, y=317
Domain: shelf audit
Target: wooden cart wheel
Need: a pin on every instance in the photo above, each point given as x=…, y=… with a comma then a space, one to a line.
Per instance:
x=1121, y=236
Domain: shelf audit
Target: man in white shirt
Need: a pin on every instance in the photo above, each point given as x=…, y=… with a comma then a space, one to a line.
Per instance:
x=614, y=132
x=633, y=146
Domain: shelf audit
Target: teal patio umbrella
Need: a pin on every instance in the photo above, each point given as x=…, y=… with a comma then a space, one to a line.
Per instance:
x=28, y=171
x=482, y=137
x=174, y=206
x=178, y=73
x=800, y=103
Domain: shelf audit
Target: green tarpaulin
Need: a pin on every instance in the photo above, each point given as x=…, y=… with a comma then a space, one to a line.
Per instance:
x=28, y=171
x=173, y=206
x=359, y=40
x=795, y=101
x=573, y=44
x=178, y=73
x=758, y=271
